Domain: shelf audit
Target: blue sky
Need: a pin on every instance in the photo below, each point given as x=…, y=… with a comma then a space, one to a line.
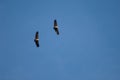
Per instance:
x=88, y=47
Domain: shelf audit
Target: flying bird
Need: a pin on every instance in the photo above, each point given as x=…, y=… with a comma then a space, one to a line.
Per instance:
x=36, y=40
x=56, y=27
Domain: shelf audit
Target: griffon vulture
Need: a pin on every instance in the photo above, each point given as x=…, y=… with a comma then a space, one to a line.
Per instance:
x=56, y=27
x=36, y=40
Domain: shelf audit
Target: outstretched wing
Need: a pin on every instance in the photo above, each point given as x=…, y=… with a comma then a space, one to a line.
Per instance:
x=56, y=30
x=37, y=43
x=55, y=22
x=56, y=27
x=36, y=35
x=37, y=39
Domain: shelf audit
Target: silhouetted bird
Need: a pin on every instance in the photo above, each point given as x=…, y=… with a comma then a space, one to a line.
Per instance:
x=56, y=27
x=36, y=40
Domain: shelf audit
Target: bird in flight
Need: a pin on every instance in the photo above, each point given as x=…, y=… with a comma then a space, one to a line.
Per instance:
x=56, y=27
x=36, y=40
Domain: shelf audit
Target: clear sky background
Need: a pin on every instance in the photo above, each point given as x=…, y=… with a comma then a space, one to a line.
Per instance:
x=88, y=47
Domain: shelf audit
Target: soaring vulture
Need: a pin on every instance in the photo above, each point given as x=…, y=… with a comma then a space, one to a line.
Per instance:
x=56, y=27
x=36, y=40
